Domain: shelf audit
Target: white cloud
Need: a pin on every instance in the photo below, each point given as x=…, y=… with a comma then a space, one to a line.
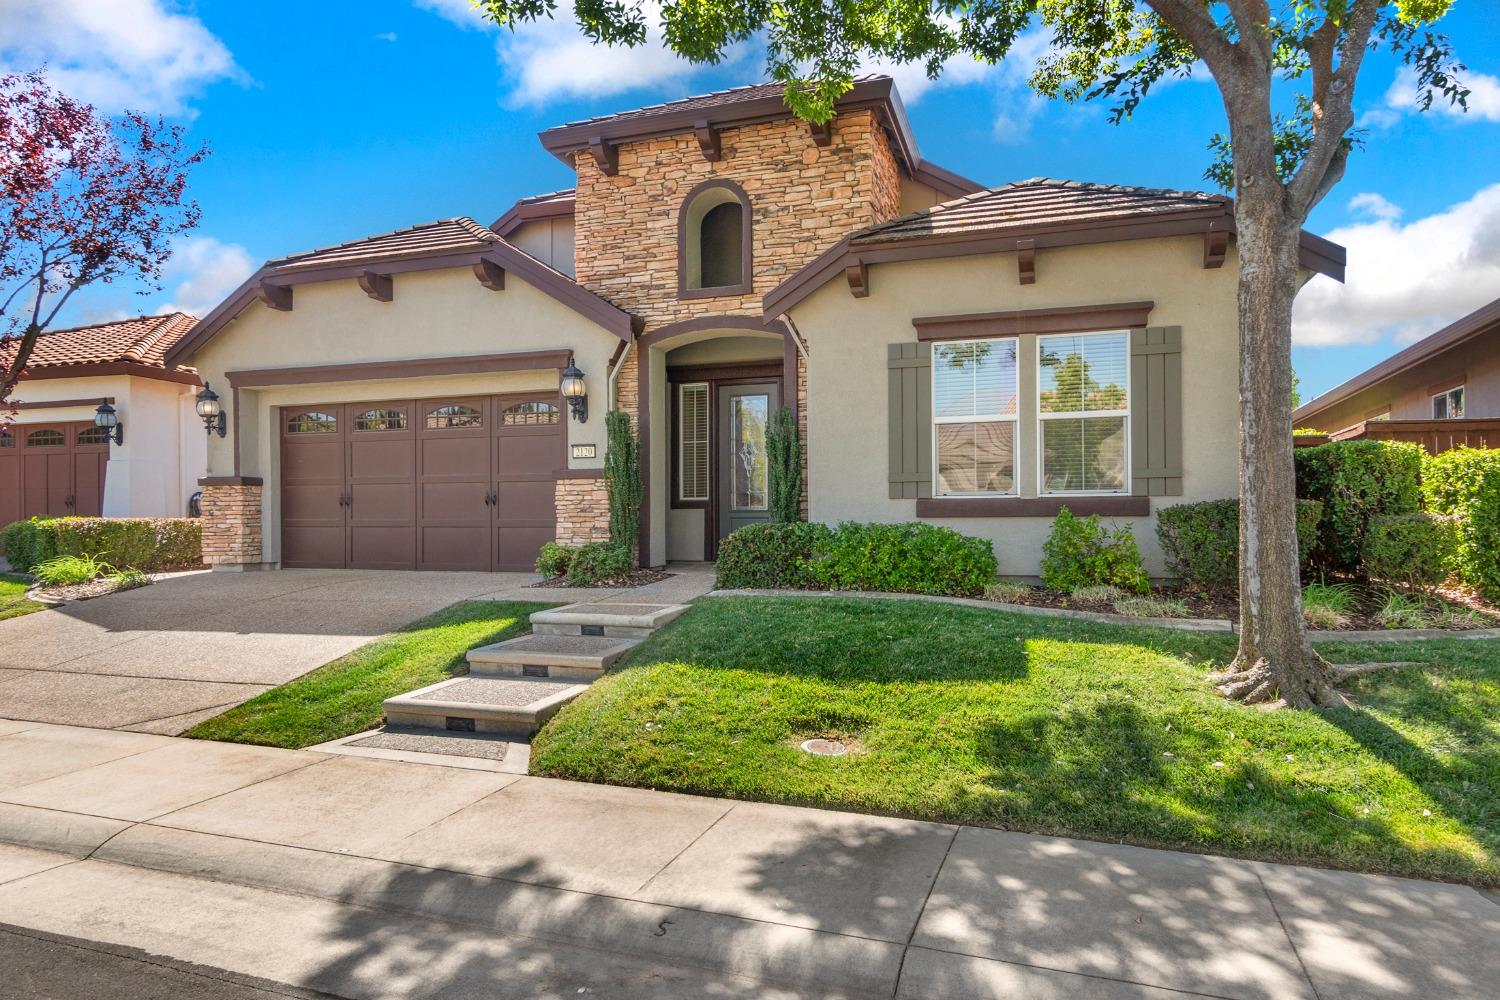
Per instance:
x=1405, y=280
x=460, y=12
x=1376, y=206
x=132, y=54
x=1401, y=98
x=385, y=36
x=206, y=270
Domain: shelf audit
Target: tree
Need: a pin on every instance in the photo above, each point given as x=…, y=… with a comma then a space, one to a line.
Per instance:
x=83, y=199
x=1286, y=72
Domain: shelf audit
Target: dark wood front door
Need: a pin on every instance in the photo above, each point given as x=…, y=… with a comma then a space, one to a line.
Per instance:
x=743, y=484
x=52, y=470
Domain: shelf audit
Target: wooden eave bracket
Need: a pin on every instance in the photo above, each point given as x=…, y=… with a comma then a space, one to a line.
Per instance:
x=822, y=132
x=1026, y=261
x=278, y=297
x=377, y=286
x=858, y=276
x=606, y=155
x=708, y=140
x=490, y=274
x=1215, y=247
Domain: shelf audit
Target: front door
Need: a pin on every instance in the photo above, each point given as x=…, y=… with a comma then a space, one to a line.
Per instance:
x=744, y=484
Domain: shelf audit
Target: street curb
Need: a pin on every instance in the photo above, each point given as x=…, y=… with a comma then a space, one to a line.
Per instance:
x=68, y=833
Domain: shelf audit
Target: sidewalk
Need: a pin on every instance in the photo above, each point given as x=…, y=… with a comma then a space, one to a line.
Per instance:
x=380, y=878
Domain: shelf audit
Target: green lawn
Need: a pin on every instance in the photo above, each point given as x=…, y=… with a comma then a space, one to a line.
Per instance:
x=344, y=697
x=13, y=602
x=1052, y=726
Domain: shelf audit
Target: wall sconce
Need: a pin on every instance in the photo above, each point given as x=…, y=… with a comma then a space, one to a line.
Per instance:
x=211, y=410
x=576, y=392
x=108, y=421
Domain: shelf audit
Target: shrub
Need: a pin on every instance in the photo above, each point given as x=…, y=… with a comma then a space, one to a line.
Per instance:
x=1008, y=591
x=784, y=466
x=771, y=556
x=1081, y=552
x=1415, y=549
x=1403, y=611
x=910, y=558
x=1327, y=605
x=150, y=544
x=1152, y=607
x=553, y=560
x=1201, y=541
x=65, y=571
x=599, y=562
x=622, y=478
x=1465, y=483
x=1357, y=481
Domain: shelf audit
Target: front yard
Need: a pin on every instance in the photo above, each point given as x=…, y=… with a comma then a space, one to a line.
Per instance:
x=1053, y=726
x=13, y=600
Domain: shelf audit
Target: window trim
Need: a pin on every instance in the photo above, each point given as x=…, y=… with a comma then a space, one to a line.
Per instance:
x=1041, y=450
x=747, y=261
x=1014, y=421
x=1447, y=396
x=679, y=496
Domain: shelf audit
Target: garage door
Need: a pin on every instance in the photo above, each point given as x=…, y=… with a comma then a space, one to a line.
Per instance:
x=462, y=483
x=52, y=470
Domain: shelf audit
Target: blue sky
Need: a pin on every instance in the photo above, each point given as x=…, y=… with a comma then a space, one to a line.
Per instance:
x=337, y=119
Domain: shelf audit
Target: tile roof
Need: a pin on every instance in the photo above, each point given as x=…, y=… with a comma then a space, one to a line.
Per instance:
x=444, y=236
x=142, y=340
x=552, y=205
x=1040, y=202
x=703, y=102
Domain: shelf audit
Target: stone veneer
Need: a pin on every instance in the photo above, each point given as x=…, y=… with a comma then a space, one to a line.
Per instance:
x=582, y=511
x=231, y=524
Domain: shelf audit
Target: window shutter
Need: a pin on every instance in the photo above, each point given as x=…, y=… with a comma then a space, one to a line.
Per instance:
x=1156, y=410
x=910, y=371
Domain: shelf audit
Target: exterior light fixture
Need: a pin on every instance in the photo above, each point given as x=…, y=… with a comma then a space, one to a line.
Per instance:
x=108, y=421
x=211, y=410
x=576, y=392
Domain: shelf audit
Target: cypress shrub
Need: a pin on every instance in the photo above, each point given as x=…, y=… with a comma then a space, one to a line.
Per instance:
x=784, y=455
x=622, y=478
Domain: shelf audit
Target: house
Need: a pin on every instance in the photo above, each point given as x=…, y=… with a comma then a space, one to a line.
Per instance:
x=1442, y=392
x=55, y=461
x=977, y=357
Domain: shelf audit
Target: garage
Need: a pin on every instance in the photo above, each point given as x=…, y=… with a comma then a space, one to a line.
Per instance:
x=459, y=483
x=52, y=470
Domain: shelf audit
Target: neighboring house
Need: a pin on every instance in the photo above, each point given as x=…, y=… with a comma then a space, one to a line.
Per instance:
x=55, y=461
x=974, y=357
x=1443, y=391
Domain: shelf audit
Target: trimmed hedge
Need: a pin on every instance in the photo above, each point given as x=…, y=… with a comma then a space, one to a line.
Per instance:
x=1465, y=483
x=1081, y=552
x=1202, y=540
x=910, y=558
x=1414, y=549
x=149, y=544
x=1357, y=481
x=597, y=562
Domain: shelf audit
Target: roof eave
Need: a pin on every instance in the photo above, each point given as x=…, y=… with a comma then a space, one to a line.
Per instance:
x=523, y=212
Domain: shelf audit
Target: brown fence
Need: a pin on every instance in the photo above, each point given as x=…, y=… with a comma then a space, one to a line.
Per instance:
x=1435, y=435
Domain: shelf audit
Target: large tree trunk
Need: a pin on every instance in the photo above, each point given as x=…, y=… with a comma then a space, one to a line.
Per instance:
x=1275, y=658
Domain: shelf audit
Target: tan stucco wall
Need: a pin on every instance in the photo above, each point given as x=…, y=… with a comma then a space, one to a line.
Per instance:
x=434, y=314
x=548, y=240
x=847, y=395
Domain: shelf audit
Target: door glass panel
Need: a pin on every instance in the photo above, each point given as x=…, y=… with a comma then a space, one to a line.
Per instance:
x=748, y=471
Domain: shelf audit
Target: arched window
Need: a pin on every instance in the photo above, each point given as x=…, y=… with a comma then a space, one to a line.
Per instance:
x=453, y=415
x=45, y=439
x=713, y=228
x=312, y=422
x=528, y=413
x=381, y=420
x=93, y=435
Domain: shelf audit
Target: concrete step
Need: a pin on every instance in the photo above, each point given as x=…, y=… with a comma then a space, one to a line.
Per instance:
x=613, y=631
x=564, y=657
x=646, y=616
x=511, y=707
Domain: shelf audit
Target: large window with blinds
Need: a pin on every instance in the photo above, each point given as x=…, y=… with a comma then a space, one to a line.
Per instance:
x=974, y=410
x=1083, y=406
x=692, y=441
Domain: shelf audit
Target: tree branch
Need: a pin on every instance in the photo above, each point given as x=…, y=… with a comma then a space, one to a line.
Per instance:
x=1191, y=20
x=1333, y=90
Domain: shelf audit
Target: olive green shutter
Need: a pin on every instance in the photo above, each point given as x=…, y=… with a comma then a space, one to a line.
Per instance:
x=1156, y=411
x=910, y=407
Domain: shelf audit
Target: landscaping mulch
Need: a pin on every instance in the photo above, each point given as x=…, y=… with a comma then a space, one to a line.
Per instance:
x=87, y=591
x=639, y=578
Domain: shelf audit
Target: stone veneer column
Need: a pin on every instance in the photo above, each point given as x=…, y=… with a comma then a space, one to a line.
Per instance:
x=582, y=511
x=231, y=521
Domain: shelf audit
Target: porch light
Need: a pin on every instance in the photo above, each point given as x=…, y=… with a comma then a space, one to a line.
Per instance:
x=210, y=409
x=108, y=421
x=575, y=392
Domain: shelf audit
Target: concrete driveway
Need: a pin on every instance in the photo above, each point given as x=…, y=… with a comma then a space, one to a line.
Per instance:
x=163, y=658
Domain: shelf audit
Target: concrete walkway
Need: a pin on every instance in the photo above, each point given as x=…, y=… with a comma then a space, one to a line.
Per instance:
x=165, y=657
x=374, y=878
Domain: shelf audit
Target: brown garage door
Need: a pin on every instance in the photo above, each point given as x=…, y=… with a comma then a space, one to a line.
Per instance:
x=52, y=470
x=462, y=483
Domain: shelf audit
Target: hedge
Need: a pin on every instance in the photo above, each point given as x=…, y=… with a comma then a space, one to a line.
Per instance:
x=1357, y=481
x=1465, y=483
x=599, y=562
x=1417, y=550
x=149, y=544
x=772, y=556
x=1201, y=541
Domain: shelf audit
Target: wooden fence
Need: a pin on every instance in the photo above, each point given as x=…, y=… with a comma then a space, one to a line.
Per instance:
x=1435, y=435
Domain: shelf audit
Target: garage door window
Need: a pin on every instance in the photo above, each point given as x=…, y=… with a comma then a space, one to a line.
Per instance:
x=381, y=420
x=93, y=435
x=454, y=415
x=529, y=414
x=45, y=439
x=312, y=422
x=6, y=441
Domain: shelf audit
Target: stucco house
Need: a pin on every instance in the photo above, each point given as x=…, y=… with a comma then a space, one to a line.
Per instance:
x=1442, y=392
x=55, y=461
x=977, y=357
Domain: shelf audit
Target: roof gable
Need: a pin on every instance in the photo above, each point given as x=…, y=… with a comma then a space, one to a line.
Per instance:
x=136, y=346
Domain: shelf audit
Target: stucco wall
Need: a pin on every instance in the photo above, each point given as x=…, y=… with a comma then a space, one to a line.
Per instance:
x=548, y=240
x=847, y=394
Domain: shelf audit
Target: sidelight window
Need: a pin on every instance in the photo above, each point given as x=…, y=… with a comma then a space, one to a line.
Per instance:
x=1083, y=402
x=974, y=408
x=692, y=441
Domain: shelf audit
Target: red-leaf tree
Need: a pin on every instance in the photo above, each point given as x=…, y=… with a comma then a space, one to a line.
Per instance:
x=83, y=199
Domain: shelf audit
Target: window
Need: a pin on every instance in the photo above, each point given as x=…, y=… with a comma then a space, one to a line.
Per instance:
x=312, y=422
x=714, y=240
x=6, y=440
x=93, y=435
x=749, y=473
x=1448, y=405
x=692, y=441
x=530, y=413
x=381, y=420
x=45, y=439
x=454, y=415
x=1083, y=403
x=974, y=403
